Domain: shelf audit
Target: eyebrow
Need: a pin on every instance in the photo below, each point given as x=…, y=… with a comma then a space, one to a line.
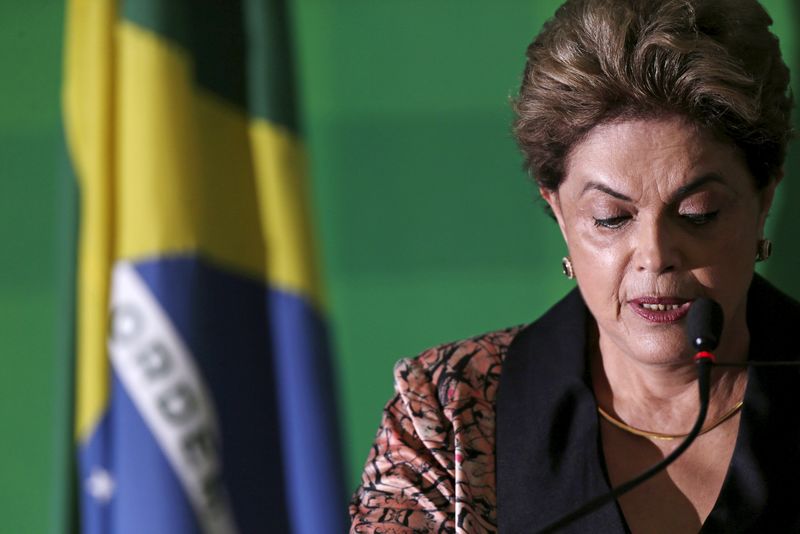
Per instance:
x=605, y=189
x=696, y=184
x=679, y=193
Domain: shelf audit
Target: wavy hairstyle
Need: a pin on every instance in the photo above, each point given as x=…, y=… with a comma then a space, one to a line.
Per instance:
x=714, y=62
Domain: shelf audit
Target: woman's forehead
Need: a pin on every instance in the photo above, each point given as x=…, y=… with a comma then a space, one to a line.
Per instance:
x=664, y=155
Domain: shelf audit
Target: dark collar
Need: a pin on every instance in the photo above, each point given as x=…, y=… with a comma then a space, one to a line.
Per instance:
x=549, y=459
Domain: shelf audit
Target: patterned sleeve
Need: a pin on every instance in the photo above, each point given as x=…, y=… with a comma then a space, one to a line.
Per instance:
x=408, y=482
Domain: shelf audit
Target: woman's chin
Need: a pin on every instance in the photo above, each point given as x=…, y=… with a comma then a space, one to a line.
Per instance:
x=665, y=359
x=665, y=345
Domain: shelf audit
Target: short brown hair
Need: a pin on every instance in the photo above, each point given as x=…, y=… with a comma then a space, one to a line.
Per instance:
x=714, y=62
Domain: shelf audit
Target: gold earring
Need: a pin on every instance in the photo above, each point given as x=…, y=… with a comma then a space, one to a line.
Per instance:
x=764, y=250
x=566, y=267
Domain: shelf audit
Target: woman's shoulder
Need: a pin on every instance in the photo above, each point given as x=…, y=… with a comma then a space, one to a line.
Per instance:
x=764, y=297
x=466, y=367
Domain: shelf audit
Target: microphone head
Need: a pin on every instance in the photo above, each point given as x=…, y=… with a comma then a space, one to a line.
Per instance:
x=704, y=324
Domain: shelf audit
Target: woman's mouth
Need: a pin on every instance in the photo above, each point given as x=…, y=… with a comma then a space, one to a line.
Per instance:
x=661, y=309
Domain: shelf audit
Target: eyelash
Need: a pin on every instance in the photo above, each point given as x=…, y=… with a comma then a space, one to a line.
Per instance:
x=700, y=219
x=697, y=219
x=611, y=223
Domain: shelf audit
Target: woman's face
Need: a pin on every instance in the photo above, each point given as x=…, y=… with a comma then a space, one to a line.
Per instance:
x=657, y=213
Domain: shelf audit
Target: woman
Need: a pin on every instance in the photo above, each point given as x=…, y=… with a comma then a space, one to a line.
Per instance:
x=656, y=130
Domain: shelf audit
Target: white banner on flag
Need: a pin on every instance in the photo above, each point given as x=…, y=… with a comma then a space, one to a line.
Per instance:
x=160, y=376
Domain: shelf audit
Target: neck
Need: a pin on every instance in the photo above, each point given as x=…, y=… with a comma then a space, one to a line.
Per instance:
x=663, y=396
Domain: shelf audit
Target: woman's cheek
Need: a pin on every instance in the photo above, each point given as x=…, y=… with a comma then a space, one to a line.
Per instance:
x=593, y=237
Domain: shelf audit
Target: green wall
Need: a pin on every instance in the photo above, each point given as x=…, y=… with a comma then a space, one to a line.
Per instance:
x=429, y=230
x=32, y=412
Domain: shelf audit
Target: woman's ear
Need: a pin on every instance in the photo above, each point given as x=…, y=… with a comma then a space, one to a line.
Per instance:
x=551, y=197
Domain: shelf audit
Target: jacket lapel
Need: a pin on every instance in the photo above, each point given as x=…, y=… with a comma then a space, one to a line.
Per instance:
x=548, y=455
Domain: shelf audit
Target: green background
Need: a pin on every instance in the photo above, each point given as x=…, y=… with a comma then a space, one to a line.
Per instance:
x=428, y=229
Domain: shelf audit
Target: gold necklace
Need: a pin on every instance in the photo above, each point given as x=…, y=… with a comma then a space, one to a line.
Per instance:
x=657, y=435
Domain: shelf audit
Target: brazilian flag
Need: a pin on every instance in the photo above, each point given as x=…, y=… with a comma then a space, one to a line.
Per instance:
x=203, y=394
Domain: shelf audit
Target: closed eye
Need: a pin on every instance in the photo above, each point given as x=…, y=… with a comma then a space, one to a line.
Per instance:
x=612, y=222
x=700, y=219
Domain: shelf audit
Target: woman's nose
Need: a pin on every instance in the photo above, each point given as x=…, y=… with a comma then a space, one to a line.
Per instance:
x=657, y=248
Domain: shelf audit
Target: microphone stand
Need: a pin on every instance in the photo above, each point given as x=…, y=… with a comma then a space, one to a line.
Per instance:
x=704, y=361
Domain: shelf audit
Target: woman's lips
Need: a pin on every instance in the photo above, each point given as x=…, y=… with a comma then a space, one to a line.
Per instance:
x=661, y=309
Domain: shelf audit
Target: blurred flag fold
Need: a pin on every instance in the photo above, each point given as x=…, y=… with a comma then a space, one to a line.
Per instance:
x=204, y=400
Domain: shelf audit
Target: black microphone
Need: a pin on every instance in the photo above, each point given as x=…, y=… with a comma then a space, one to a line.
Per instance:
x=703, y=327
x=704, y=324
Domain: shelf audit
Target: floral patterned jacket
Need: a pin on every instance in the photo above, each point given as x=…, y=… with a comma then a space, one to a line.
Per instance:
x=432, y=466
